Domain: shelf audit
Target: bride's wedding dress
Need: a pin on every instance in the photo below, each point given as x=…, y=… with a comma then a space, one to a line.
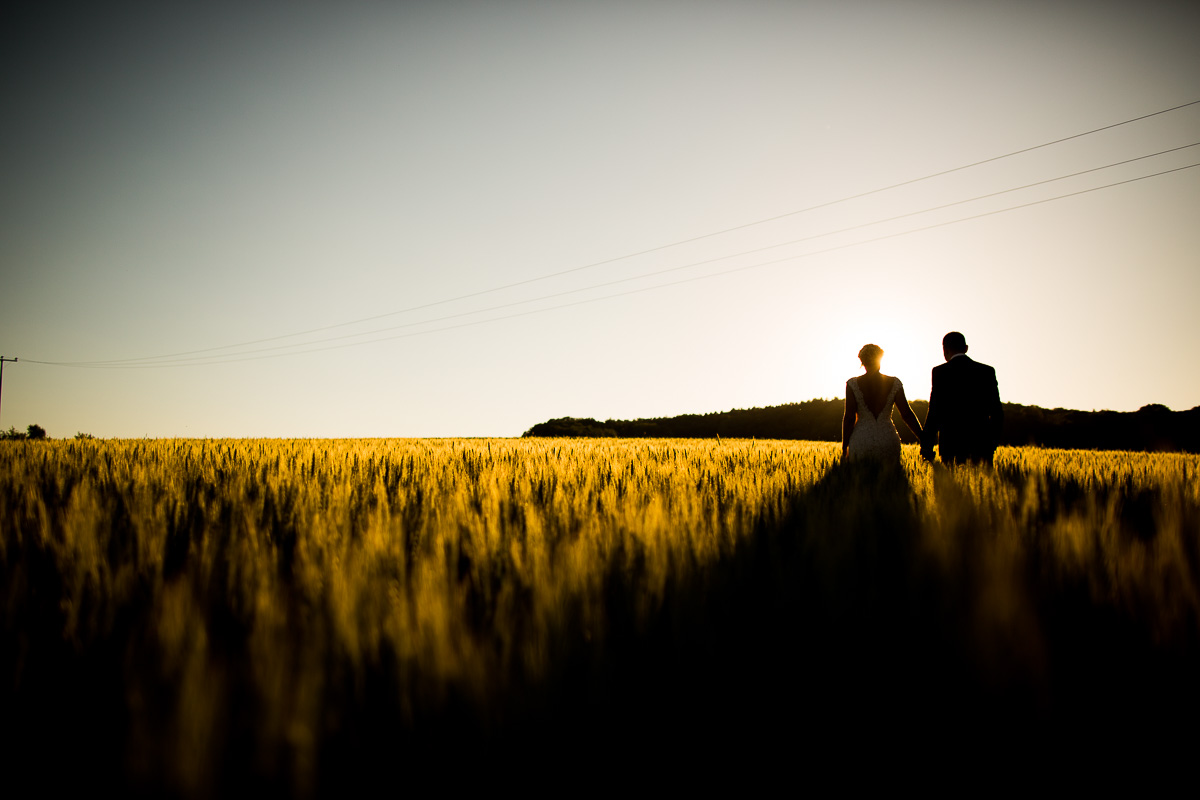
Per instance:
x=874, y=437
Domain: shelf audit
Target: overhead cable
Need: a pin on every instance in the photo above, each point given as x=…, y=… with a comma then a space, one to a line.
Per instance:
x=646, y=251
x=247, y=356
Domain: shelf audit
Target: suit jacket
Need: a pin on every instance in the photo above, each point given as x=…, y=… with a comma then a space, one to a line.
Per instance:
x=965, y=415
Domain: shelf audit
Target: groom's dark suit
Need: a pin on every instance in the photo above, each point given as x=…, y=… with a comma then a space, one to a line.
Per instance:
x=965, y=414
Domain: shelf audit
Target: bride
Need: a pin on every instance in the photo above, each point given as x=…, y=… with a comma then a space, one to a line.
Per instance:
x=867, y=430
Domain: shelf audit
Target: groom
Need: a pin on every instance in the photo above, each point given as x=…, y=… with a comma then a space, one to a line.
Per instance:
x=965, y=414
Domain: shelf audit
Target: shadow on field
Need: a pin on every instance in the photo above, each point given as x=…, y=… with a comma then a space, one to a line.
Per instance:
x=846, y=638
x=823, y=639
x=869, y=630
x=825, y=634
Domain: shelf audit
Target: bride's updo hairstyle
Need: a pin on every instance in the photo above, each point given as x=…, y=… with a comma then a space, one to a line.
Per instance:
x=870, y=355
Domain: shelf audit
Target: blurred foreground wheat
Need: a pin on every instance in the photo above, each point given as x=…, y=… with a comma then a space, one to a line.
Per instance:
x=195, y=614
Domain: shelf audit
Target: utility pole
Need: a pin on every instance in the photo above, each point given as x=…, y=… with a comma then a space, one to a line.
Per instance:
x=2, y=360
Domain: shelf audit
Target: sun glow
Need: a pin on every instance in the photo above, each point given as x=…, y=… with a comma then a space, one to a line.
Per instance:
x=909, y=353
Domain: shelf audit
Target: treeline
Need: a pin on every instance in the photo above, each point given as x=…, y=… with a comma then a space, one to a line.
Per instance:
x=34, y=433
x=1153, y=427
x=31, y=432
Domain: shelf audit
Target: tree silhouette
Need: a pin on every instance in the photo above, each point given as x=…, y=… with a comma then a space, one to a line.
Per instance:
x=1152, y=427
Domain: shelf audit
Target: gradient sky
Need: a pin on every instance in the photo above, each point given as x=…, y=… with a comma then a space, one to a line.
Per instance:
x=180, y=178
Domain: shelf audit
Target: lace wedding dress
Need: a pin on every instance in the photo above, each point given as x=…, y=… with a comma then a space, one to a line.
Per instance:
x=874, y=437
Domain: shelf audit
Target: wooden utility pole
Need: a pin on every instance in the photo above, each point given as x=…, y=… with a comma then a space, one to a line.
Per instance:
x=2, y=360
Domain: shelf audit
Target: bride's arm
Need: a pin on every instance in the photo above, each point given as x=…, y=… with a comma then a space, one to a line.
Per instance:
x=906, y=413
x=848, y=420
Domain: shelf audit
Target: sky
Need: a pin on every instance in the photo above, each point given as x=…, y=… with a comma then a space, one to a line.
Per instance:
x=463, y=218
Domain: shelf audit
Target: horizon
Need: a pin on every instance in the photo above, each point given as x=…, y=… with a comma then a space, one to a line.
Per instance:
x=457, y=220
x=915, y=401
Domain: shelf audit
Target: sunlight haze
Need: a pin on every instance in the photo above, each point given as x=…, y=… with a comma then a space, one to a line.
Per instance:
x=177, y=180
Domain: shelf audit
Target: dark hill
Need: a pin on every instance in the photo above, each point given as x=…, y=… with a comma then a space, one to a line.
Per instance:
x=1152, y=427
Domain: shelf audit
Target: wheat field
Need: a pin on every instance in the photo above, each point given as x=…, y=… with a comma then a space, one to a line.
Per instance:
x=189, y=616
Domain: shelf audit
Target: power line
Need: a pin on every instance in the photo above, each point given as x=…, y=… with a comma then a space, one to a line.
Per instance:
x=233, y=357
x=208, y=359
x=646, y=251
x=229, y=359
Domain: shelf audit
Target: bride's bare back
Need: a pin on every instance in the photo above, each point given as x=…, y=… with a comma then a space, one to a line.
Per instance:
x=878, y=393
x=875, y=387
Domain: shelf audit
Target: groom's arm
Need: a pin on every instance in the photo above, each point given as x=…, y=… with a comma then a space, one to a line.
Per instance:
x=995, y=407
x=929, y=433
x=932, y=417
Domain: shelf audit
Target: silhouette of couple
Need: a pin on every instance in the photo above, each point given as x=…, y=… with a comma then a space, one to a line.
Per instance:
x=964, y=416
